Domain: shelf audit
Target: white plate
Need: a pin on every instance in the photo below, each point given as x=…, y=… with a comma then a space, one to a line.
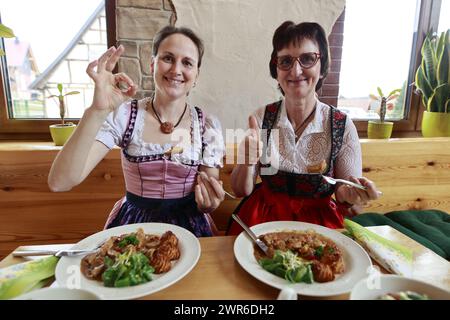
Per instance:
x=58, y=294
x=68, y=272
x=374, y=287
x=356, y=260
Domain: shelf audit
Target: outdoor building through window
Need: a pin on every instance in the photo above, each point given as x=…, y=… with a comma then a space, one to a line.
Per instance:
x=381, y=40
x=378, y=39
x=444, y=16
x=55, y=50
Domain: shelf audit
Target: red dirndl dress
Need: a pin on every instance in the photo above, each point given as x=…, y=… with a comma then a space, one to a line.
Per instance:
x=287, y=196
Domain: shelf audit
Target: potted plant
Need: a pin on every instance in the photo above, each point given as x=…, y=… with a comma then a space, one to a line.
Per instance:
x=380, y=129
x=61, y=132
x=432, y=82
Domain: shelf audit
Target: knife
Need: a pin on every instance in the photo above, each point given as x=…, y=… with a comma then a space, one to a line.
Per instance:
x=56, y=253
x=255, y=239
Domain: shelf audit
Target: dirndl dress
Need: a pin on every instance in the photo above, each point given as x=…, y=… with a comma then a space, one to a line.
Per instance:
x=288, y=196
x=150, y=175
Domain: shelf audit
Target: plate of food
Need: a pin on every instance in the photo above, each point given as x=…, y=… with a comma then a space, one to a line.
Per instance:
x=312, y=260
x=132, y=261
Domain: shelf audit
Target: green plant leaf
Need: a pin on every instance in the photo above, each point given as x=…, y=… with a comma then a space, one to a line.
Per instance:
x=438, y=99
x=60, y=88
x=423, y=85
x=2, y=53
x=380, y=92
x=394, y=91
x=72, y=93
x=6, y=32
x=443, y=60
x=440, y=45
x=429, y=62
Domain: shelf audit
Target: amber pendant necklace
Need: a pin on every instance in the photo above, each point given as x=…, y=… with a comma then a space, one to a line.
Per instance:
x=166, y=126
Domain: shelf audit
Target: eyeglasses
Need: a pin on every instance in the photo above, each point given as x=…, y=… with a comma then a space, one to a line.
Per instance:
x=306, y=60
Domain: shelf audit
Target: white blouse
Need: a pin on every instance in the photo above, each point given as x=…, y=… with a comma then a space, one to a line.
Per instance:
x=114, y=127
x=314, y=145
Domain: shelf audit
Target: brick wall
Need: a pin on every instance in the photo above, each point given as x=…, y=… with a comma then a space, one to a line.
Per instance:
x=137, y=21
x=330, y=89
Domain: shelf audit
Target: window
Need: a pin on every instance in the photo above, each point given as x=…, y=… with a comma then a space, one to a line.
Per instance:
x=30, y=117
x=55, y=50
x=381, y=48
x=444, y=16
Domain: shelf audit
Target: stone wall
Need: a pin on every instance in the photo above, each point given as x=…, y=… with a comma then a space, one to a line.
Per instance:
x=137, y=21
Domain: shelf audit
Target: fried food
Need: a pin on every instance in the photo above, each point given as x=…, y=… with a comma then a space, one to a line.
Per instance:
x=159, y=250
x=312, y=248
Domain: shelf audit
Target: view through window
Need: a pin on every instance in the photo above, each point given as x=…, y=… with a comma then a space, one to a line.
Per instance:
x=54, y=43
x=444, y=17
x=376, y=52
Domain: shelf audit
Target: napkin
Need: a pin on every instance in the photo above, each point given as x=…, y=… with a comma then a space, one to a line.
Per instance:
x=24, y=277
x=392, y=256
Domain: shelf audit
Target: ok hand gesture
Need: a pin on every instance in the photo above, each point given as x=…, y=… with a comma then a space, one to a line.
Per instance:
x=107, y=94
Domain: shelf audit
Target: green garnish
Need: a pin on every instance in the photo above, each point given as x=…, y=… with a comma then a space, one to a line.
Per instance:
x=131, y=239
x=289, y=266
x=129, y=269
x=318, y=252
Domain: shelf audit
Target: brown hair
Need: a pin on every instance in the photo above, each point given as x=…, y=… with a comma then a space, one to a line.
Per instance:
x=170, y=30
x=289, y=32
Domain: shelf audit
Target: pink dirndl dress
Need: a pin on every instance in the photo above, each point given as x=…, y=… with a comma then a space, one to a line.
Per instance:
x=158, y=189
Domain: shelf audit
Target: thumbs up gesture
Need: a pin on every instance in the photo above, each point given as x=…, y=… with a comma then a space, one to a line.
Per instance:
x=251, y=145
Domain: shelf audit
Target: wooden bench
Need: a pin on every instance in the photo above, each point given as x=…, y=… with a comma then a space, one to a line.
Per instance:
x=412, y=173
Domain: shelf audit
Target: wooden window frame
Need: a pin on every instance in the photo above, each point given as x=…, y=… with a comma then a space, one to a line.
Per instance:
x=37, y=129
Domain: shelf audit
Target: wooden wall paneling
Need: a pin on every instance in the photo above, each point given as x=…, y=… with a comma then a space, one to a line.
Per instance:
x=412, y=173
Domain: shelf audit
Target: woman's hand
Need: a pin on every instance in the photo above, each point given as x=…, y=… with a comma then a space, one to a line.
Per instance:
x=209, y=193
x=107, y=94
x=251, y=146
x=355, y=196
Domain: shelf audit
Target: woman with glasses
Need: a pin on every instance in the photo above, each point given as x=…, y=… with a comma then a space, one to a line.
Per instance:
x=171, y=151
x=291, y=143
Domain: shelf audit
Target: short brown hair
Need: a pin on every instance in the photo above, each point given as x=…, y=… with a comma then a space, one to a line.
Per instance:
x=170, y=30
x=289, y=32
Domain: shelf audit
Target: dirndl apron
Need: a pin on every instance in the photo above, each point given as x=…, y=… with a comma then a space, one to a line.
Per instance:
x=287, y=196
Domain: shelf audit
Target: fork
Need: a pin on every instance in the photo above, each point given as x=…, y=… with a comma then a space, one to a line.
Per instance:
x=229, y=194
x=331, y=180
x=252, y=236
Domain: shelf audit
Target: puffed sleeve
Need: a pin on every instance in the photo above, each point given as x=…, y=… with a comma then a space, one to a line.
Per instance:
x=113, y=129
x=214, y=145
x=349, y=159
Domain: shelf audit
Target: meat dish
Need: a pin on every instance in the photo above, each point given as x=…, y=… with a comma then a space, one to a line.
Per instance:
x=306, y=249
x=130, y=259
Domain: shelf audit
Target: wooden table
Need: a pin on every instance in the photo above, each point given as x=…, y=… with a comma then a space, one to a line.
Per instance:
x=217, y=276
